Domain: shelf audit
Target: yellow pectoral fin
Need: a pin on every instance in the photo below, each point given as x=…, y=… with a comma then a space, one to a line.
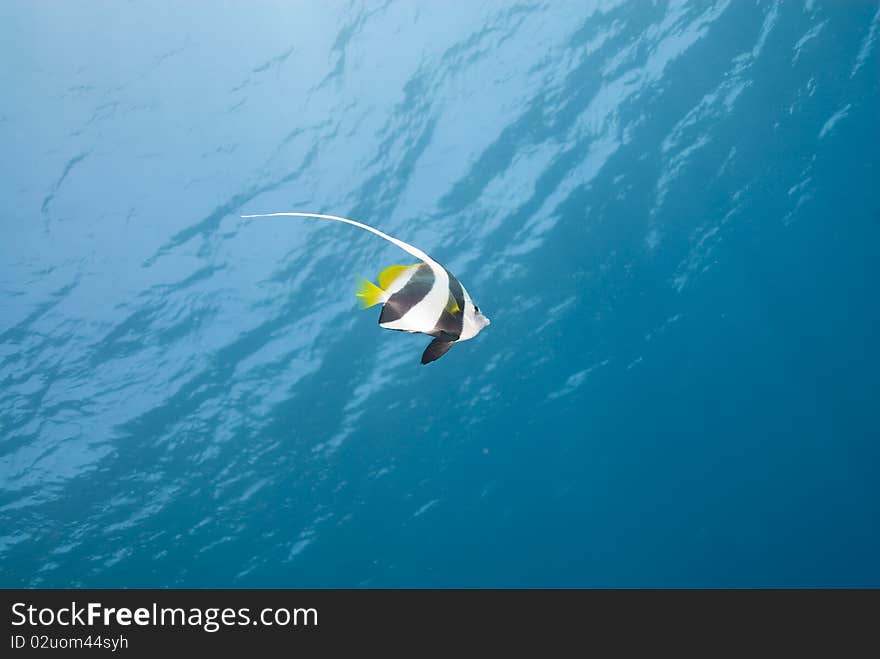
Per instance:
x=392, y=272
x=368, y=293
x=452, y=306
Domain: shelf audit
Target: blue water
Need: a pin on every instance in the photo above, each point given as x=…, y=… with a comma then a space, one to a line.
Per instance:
x=669, y=210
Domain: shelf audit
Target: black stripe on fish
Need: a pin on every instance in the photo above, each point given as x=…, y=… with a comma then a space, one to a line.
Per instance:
x=451, y=320
x=419, y=285
x=457, y=291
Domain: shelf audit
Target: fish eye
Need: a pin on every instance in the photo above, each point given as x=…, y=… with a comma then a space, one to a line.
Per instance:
x=476, y=309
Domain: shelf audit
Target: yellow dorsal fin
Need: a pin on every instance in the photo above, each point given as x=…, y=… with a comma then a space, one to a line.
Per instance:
x=392, y=272
x=368, y=293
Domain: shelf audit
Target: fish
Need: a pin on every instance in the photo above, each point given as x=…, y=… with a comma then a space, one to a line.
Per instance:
x=421, y=298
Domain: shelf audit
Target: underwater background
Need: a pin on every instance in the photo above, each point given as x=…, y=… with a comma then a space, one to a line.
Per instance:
x=669, y=210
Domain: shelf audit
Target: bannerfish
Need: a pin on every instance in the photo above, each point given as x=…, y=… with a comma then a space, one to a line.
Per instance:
x=420, y=298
